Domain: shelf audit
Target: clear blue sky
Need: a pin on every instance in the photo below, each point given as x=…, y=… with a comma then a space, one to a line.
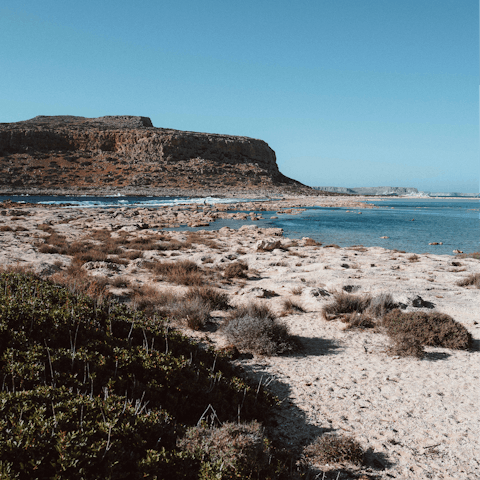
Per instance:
x=347, y=92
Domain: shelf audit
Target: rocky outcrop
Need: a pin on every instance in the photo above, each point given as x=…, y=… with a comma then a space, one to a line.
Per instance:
x=127, y=152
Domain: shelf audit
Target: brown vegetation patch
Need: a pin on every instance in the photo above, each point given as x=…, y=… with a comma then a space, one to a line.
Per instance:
x=345, y=303
x=240, y=448
x=475, y=255
x=334, y=449
x=255, y=328
x=291, y=306
x=426, y=329
x=473, y=279
x=182, y=272
x=236, y=270
x=213, y=297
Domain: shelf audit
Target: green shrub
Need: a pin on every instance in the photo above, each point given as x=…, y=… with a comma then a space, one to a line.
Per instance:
x=94, y=390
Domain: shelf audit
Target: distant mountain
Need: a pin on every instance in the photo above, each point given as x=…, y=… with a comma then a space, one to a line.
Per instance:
x=371, y=190
x=393, y=191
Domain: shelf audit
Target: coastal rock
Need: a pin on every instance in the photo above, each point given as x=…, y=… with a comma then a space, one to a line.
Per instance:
x=119, y=152
x=267, y=244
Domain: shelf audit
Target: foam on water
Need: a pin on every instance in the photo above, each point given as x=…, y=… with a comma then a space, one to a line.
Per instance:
x=118, y=200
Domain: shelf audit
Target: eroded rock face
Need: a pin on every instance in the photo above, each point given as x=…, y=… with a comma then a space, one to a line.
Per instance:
x=127, y=151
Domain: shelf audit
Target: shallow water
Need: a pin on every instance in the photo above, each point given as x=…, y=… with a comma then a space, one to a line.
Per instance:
x=409, y=224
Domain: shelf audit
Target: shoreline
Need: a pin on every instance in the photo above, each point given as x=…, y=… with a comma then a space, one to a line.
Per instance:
x=420, y=417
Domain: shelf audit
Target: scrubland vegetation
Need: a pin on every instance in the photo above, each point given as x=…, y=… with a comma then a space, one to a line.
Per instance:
x=95, y=390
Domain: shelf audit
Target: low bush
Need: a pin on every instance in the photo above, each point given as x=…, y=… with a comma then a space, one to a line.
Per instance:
x=291, y=306
x=296, y=290
x=334, y=449
x=473, y=279
x=259, y=332
x=358, y=320
x=257, y=310
x=213, y=297
x=380, y=305
x=235, y=450
x=181, y=272
x=344, y=303
x=193, y=312
x=236, y=270
x=99, y=391
x=425, y=329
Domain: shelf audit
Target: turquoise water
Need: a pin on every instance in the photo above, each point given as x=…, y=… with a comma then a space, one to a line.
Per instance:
x=409, y=224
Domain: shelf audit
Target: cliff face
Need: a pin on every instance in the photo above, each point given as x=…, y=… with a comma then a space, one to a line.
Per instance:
x=123, y=151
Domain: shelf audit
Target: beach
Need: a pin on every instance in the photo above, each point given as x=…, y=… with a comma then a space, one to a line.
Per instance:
x=416, y=418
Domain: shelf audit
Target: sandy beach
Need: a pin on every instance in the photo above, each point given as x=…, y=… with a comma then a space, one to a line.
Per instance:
x=416, y=418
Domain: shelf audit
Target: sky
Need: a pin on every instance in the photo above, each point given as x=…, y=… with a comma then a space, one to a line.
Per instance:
x=347, y=93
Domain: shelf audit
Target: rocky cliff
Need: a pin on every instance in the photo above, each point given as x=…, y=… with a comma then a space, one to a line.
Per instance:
x=127, y=154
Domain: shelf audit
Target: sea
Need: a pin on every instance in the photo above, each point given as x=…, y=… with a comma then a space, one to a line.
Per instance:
x=409, y=224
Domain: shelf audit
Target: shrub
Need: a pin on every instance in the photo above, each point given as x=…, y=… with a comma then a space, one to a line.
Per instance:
x=334, y=449
x=193, y=312
x=380, y=305
x=426, y=329
x=233, y=450
x=214, y=298
x=261, y=335
x=345, y=303
x=48, y=249
x=296, y=290
x=257, y=310
x=473, y=279
x=413, y=258
x=182, y=272
x=291, y=306
x=98, y=391
x=236, y=270
x=359, y=320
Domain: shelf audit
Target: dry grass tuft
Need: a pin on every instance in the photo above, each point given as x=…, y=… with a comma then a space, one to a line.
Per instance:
x=345, y=303
x=334, y=449
x=240, y=448
x=291, y=306
x=257, y=310
x=381, y=305
x=193, y=312
x=413, y=258
x=236, y=270
x=473, y=279
x=214, y=298
x=296, y=290
x=182, y=272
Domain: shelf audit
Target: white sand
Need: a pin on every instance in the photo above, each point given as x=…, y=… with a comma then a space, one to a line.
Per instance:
x=419, y=419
